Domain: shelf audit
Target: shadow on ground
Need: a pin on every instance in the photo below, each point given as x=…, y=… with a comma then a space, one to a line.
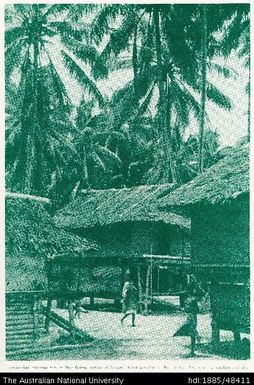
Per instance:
x=97, y=350
x=228, y=349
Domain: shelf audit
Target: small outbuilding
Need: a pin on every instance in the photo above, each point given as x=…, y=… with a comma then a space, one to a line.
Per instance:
x=218, y=204
x=34, y=246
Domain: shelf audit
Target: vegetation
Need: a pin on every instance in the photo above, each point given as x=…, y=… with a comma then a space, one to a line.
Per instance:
x=139, y=134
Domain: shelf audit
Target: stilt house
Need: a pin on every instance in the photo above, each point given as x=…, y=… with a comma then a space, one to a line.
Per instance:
x=218, y=204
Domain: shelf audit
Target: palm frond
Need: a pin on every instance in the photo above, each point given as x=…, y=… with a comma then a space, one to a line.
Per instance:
x=63, y=139
x=145, y=103
x=232, y=35
x=79, y=74
x=77, y=11
x=11, y=34
x=87, y=54
x=59, y=87
x=247, y=88
x=120, y=38
x=68, y=29
x=101, y=23
x=98, y=162
x=121, y=63
x=56, y=10
x=15, y=57
x=187, y=95
x=106, y=153
x=216, y=96
x=23, y=9
x=224, y=70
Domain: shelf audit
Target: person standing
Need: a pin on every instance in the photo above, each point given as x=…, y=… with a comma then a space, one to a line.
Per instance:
x=191, y=307
x=129, y=301
x=194, y=295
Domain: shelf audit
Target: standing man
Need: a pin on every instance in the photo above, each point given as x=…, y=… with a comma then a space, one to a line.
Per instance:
x=194, y=295
x=129, y=301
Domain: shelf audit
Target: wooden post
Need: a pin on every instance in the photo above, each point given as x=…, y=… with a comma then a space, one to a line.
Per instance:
x=215, y=333
x=48, y=309
x=35, y=317
x=158, y=279
x=151, y=280
x=140, y=294
x=92, y=301
x=122, y=274
x=117, y=303
x=71, y=313
x=237, y=337
x=147, y=289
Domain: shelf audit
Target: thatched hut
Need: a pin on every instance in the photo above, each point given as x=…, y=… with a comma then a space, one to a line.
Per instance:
x=218, y=203
x=31, y=241
x=127, y=225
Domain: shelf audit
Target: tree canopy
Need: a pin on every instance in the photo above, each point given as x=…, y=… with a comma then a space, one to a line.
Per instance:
x=139, y=134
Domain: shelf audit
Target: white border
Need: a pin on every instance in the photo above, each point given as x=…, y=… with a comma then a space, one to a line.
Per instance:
x=98, y=366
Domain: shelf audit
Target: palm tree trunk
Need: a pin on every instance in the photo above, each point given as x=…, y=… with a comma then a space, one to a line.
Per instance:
x=85, y=167
x=249, y=106
x=135, y=61
x=162, y=116
x=172, y=160
x=28, y=183
x=162, y=97
x=203, y=87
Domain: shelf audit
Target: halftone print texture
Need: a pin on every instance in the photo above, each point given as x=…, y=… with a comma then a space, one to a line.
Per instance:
x=127, y=181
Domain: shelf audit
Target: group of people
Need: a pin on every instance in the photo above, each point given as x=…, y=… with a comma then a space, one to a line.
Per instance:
x=193, y=294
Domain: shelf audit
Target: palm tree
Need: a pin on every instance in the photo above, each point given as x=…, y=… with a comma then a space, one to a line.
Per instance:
x=113, y=152
x=99, y=162
x=165, y=55
x=38, y=39
x=236, y=38
x=203, y=86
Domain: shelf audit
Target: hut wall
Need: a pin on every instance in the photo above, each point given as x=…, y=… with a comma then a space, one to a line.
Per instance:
x=122, y=240
x=24, y=322
x=172, y=240
x=220, y=234
x=103, y=273
x=138, y=238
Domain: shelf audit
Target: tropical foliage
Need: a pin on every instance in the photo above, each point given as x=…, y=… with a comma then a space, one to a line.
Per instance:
x=139, y=133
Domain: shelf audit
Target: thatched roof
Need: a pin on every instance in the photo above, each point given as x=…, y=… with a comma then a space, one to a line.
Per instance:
x=105, y=207
x=31, y=236
x=226, y=180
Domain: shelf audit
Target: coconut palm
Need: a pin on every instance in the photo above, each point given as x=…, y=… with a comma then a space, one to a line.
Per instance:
x=42, y=45
x=164, y=42
x=112, y=152
x=236, y=38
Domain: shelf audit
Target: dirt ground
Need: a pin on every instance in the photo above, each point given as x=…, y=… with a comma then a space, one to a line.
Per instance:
x=151, y=339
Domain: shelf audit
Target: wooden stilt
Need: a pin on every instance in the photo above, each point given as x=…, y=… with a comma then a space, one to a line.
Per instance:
x=122, y=274
x=117, y=303
x=147, y=290
x=48, y=309
x=151, y=281
x=158, y=279
x=35, y=317
x=215, y=333
x=140, y=294
x=92, y=301
x=71, y=313
x=237, y=337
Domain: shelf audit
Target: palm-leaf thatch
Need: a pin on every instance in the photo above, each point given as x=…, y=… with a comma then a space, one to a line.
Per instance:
x=105, y=207
x=226, y=180
x=31, y=237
